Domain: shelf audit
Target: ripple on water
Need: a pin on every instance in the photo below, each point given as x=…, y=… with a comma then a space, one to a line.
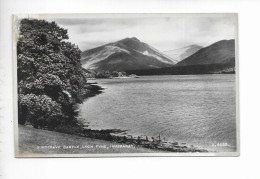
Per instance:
x=195, y=109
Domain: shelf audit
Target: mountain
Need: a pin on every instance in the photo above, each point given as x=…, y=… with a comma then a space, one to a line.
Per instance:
x=214, y=59
x=221, y=52
x=125, y=54
x=182, y=53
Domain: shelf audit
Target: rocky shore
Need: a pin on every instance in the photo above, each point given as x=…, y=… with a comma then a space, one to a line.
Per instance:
x=155, y=143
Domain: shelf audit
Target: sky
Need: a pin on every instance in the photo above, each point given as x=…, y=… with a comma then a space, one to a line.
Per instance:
x=162, y=31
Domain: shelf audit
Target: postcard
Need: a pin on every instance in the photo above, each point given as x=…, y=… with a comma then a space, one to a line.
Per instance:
x=117, y=85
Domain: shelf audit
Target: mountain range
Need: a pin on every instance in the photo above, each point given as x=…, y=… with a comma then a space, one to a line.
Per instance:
x=133, y=56
x=125, y=54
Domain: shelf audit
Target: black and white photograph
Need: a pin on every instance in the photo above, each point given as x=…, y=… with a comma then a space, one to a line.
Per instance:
x=105, y=85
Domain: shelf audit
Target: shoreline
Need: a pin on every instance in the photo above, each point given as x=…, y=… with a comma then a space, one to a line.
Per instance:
x=154, y=143
x=94, y=88
x=166, y=74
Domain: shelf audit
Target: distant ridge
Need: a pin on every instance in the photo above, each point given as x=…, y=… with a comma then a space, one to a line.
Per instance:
x=182, y=53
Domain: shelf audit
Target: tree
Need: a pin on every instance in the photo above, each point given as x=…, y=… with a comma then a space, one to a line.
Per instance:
x=50, y=76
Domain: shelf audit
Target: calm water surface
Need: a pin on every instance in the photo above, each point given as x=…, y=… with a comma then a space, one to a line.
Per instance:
x=197, y=110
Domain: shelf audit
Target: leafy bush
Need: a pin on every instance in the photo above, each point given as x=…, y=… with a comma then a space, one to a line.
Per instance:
x=40, y=110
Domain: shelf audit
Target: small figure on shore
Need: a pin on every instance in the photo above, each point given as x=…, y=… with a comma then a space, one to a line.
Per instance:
x=124, y=139
x=138, y=140
x=159, y=138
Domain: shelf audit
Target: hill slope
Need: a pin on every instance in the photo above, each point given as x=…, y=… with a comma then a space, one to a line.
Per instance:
x=126, y=54
x=221, y=52
x=182, y=53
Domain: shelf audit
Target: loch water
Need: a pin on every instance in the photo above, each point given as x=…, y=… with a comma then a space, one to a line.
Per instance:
x=197, y=110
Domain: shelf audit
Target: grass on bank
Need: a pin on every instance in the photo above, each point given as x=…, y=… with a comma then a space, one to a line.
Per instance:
x=33, y=141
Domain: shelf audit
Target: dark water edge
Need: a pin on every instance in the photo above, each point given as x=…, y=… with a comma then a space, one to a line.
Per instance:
x=155, y=143
x=94, y=89
x=225, y=68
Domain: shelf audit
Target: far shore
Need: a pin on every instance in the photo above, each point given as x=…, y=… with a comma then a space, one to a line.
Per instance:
x=119, y=77
x=166, y=74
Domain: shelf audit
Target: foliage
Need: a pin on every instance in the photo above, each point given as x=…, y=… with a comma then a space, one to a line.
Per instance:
x=50, y=76
x=42, y=110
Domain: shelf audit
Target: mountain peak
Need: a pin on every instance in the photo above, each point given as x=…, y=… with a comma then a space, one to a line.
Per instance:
x=134, y=38
x=125, y=54
x=129, y=39
x=225, y=41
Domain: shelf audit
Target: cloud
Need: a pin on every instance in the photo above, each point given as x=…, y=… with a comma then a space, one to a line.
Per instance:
x=163, y=31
